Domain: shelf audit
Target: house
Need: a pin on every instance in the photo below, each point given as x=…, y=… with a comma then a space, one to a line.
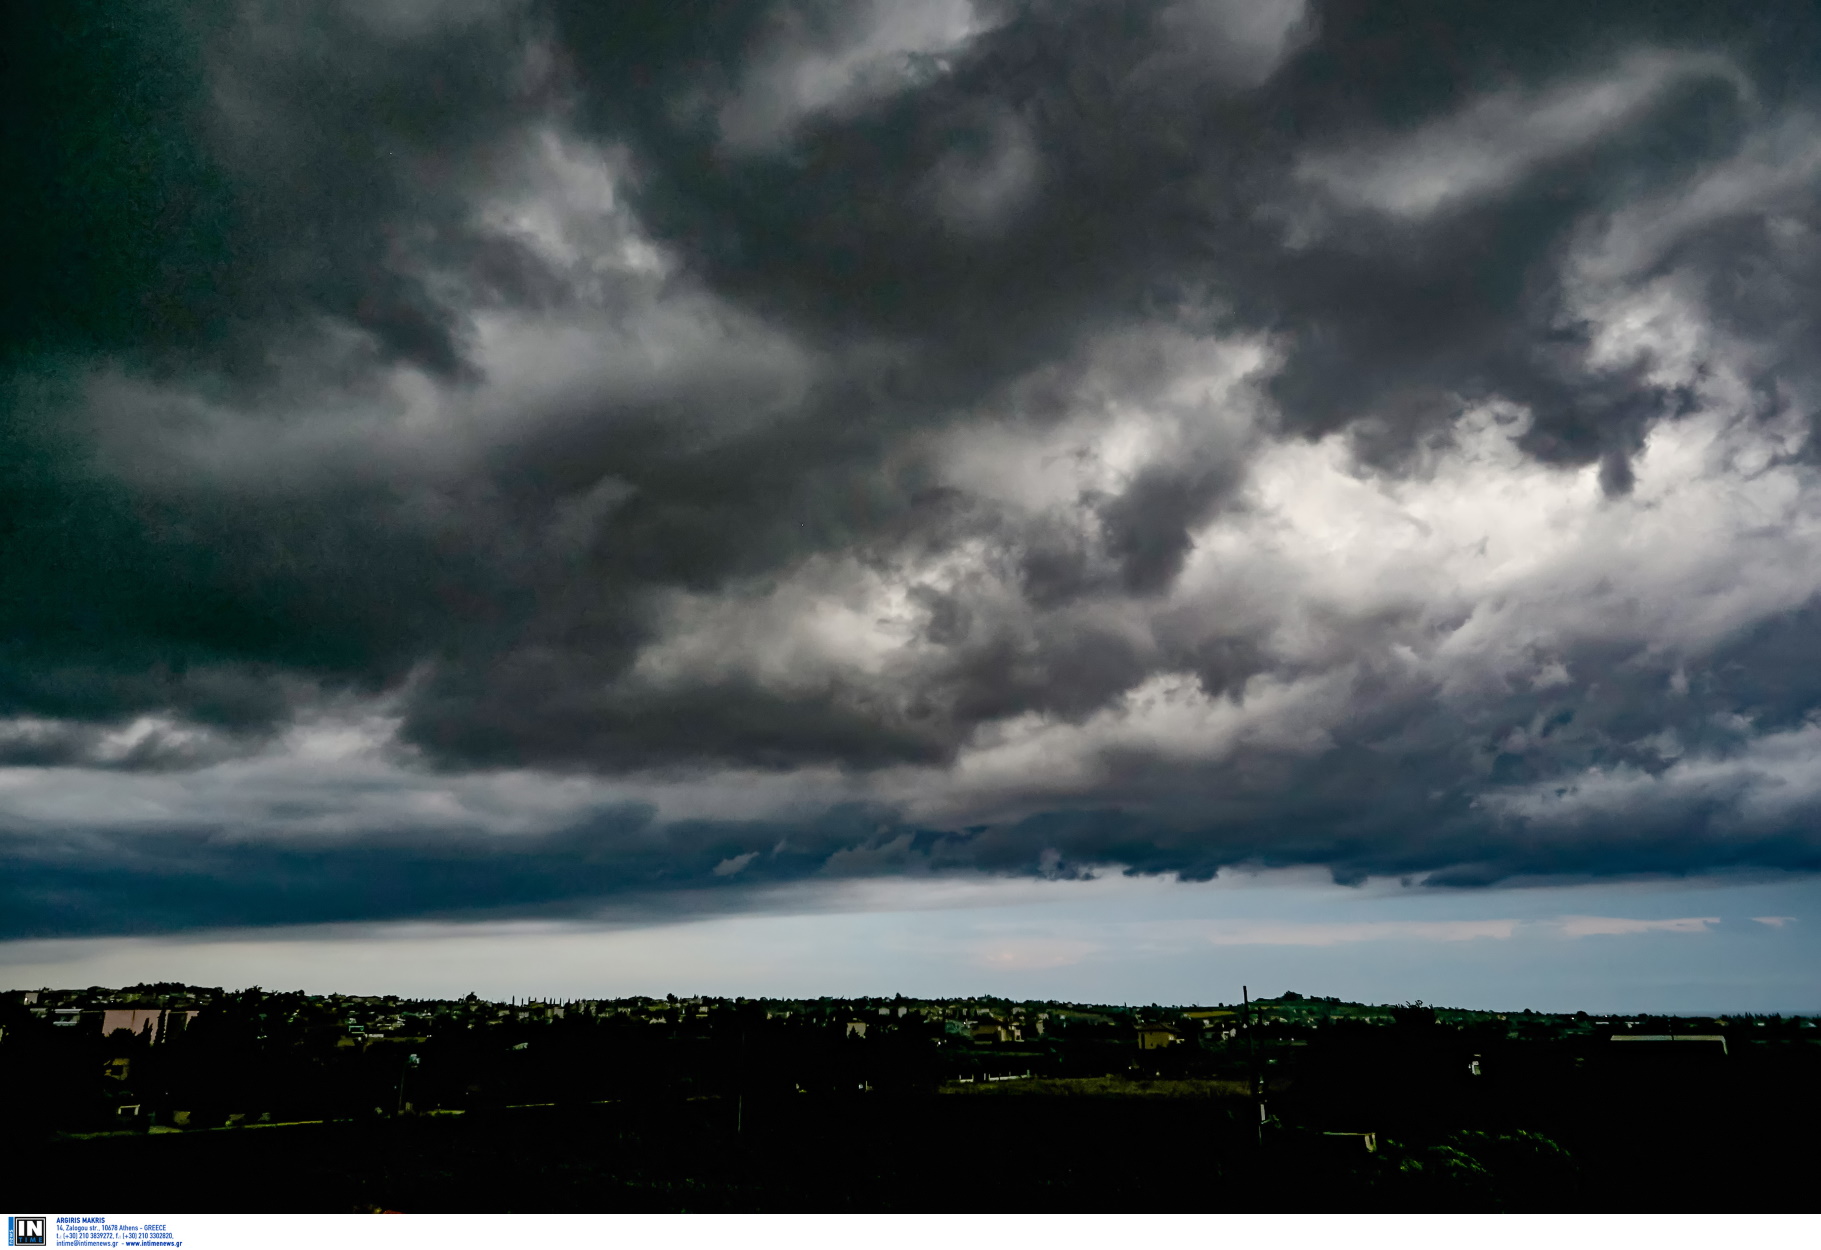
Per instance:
x=1157, y=1036
x=988, y=1031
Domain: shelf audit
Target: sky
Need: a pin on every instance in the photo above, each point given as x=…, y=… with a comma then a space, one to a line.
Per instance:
x=1100, y=500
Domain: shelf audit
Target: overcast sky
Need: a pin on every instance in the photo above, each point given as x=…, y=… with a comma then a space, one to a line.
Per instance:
x=831, y=496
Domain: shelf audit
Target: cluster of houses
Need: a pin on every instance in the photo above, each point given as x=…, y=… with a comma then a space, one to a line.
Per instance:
x=152, y=1015
x=129, y=1034
x=159, y=1013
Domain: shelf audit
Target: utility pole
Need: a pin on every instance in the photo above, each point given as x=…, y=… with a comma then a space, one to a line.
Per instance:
x=410, y=1062
x=1258, y=1098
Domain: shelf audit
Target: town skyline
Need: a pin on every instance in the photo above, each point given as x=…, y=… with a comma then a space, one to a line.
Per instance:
x=386, y=1102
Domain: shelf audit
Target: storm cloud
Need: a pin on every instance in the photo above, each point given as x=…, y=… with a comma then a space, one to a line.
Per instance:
x=479, y=456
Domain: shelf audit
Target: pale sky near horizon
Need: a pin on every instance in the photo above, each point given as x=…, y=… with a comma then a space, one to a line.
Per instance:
x=1733, y=946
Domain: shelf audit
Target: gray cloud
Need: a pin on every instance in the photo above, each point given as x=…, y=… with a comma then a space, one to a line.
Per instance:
x=938, y=436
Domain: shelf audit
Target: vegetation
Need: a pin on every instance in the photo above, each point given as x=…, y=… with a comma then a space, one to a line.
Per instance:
x=287, y=1100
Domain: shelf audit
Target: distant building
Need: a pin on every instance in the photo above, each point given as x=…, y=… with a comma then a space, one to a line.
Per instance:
x=154, y=1023
x=988, y=1032
x=1157, y=1036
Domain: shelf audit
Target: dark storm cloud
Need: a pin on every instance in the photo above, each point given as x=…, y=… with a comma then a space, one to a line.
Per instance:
x=118, y=882
x=597, y=385
x=207, y=188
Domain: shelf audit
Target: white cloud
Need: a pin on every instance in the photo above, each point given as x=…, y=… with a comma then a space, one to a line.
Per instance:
x=1616, y=926
x=1498, y=139
x=877, y=48
x=734, y=864
x=1771, y=177
x=1762, y=782
x=567, y=200
x=1335, y=933
x=1338, y=568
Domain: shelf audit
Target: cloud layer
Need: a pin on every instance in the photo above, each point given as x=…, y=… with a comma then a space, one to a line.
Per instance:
x=465, y=457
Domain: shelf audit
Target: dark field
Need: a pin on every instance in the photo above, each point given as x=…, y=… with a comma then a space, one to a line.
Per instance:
x=1073, y=1146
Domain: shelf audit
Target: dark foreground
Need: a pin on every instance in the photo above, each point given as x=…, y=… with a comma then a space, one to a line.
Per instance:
x=1069, y=1146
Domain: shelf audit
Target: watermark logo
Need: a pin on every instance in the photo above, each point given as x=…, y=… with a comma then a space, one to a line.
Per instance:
x=25, y=1230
